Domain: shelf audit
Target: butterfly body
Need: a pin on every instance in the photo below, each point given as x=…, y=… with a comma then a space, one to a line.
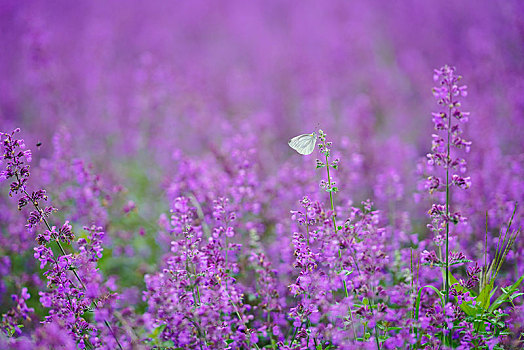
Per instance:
x=304, y=144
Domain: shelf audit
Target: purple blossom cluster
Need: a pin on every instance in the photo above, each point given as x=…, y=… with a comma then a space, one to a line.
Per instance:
x=164, y=210
x=67, y=299
x=195, y=300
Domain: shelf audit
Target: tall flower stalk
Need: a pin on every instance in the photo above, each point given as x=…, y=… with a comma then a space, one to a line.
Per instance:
x=448, y=125
x=330, y=187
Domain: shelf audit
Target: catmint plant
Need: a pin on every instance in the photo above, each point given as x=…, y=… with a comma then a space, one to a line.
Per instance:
x=449, y=168
x=69, y=302
x=448, y=137
x=195, y=302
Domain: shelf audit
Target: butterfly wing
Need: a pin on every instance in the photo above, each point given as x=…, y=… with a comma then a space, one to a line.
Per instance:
x=303, y=144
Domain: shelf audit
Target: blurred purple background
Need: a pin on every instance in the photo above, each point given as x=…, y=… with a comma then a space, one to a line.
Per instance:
x=133, y=73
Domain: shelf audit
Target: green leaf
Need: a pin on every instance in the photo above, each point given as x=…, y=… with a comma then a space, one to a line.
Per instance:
x=347, y=272
x=461, y=261
x=484, y=296
x=454, y=281
x=11, y=330
x=437, y=264
x=493, y=292
x=468, y=308
x=157, y=331
x=417, y=302
x=501, y=299
x=515, y=295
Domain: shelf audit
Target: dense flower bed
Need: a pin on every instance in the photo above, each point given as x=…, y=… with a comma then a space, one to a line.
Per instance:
x=149, y=199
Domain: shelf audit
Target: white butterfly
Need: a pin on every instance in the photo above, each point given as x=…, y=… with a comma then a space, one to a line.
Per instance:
x=303, y=144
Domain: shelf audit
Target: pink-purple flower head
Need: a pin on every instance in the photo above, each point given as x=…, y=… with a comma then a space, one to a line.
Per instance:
x=15, y=155
x=449, y=85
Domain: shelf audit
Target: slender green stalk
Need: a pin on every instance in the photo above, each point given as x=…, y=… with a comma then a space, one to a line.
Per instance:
x=339, y=250
x=196, y=297
x=270, y=331
x=226, y=259
x=231, y=301
x=376, y=327
x=486, y=243
x=501, y=244
x=198, y=330
x=294, y=335
x=197, y=289
x=412, y=291
x=448, y=158
x=307, y=228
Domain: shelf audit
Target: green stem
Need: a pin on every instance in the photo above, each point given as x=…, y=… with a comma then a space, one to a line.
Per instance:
x=448, y=158
x=339, y=250
x=307, y=228
x=196, y=297
x=197, y=289
x=231, y=301
x=294, y=335
x=270, y=331
x=226, y=259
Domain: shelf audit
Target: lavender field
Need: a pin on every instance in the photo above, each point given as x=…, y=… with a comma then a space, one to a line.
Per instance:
x=261, y=174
